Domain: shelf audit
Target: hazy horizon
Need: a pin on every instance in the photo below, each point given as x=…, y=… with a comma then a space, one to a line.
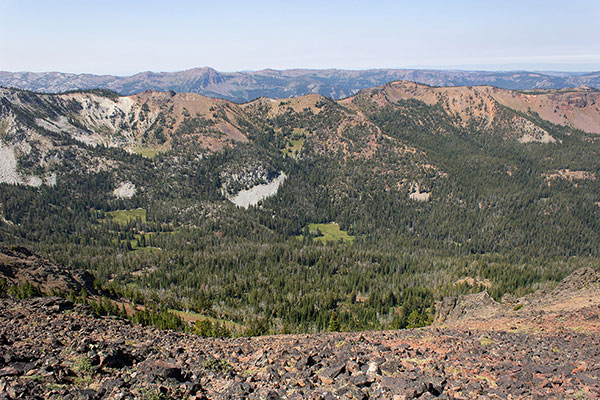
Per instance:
x=548, y=70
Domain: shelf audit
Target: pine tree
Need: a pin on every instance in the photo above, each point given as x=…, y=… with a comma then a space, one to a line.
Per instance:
x=334, y=324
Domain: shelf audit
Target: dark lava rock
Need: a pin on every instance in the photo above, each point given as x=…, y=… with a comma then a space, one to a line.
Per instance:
x=109, y=385
x=362, y=380
x=86, y=394
x=333, y=372
x=307, y=361
x=237, y=390
x=52, y=304
x=161, y=369
x=436, y=385
x=116, y=357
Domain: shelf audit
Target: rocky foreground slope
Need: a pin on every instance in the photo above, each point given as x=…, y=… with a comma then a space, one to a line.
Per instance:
x=548, y=347
x=53, y=349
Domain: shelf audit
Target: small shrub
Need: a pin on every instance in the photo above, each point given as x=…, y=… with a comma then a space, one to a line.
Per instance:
x=3, y=287
x=152, y=394
x=25, y=291
x=84, y=370
x=83, y=366
x=206, y=328
x=217, y=365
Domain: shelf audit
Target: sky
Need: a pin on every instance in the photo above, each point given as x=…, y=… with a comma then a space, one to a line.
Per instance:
x=128, y=36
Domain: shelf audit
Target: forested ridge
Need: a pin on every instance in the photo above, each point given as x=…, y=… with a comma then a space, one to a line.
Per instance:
x=424, y=197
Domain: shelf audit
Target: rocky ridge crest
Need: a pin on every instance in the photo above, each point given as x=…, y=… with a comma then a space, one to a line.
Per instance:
x=19, y=265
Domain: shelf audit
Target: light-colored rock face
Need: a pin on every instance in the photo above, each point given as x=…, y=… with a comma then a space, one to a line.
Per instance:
x=8, y=166
x=252, y=196
x=530, y=131
x=545, y=137
x=110, y=121
x=34, y=181
x=8, y=169
x=125, y=190
x=51, y=179
x=130, y=121
x=417, y=195
x=570, y=175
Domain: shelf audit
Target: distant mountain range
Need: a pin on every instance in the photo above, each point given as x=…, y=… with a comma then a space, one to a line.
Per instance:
x=245, y=86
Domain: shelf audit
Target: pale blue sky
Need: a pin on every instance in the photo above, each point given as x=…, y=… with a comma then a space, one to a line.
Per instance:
x=124, y=37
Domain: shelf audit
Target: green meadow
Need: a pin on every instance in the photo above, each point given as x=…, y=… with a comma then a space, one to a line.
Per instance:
x=329, y=232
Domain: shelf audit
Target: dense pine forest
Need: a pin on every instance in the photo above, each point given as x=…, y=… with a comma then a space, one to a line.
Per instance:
x=385, y=210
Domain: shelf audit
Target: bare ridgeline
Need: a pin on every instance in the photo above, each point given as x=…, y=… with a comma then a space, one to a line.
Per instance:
x=544, y=345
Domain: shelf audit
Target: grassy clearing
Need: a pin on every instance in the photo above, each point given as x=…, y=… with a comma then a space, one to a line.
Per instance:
x=148, y=152
x=329, y=232
x=293, y=147
x=295, y=144
x=138, y=236
x=122, y=217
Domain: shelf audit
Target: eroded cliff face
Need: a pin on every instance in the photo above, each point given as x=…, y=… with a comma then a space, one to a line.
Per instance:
x=483, y=106
x=101, y=118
